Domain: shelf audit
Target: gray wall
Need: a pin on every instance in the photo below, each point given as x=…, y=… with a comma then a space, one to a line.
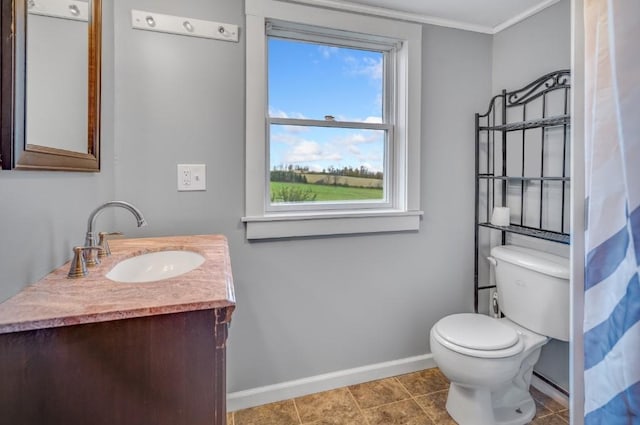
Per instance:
x=44, y=214
x=305, y=306
x=522, y=53
x=533, y=47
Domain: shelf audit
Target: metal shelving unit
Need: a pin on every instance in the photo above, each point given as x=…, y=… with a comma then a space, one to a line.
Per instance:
x=522, y=144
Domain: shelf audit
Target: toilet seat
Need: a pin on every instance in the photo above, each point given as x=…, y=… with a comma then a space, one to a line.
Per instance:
x=478, y=335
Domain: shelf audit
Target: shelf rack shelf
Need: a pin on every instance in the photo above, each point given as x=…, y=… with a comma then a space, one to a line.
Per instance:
x=530, y=231
x=526, y=125
x=538, y=192
x=519, y=178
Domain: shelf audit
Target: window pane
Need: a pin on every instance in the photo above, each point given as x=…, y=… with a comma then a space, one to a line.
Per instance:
x=315, y=81
x=319, y=164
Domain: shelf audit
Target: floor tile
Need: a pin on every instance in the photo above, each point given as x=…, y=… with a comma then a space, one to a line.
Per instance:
x=280, y=413
x=564, y=414
x=406, y=412
x=546, y=401
x=383, y=402
x=357, y=420
x=376, y=393
x=549, y=420
x=424, y=382
x=330, y=407
x=434, y=405
x=541, y=411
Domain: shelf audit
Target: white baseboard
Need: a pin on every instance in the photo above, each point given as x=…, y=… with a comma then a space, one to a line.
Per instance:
x=328, y=381
x=550, y=391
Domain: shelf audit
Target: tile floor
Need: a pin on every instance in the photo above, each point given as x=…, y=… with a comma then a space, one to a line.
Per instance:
x=413, y=399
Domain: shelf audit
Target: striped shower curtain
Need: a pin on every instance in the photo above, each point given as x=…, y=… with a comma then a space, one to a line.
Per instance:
x=612, y=239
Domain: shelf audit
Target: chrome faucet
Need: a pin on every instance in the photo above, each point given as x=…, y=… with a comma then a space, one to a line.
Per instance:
x=90, y=241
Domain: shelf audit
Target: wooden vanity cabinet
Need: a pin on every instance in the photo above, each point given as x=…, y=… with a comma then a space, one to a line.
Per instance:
x=156, y=370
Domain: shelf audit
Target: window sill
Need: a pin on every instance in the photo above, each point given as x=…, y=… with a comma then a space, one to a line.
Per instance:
x=275, y=226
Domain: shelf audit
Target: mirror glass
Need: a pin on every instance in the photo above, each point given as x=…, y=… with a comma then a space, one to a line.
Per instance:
x=56, y=88
x=50, y=103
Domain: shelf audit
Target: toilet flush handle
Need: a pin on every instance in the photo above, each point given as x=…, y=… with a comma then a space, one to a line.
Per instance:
x=493, y=261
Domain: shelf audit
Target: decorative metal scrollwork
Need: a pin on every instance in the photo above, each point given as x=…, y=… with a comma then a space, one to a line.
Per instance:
x=552, y=81
x=492, y=105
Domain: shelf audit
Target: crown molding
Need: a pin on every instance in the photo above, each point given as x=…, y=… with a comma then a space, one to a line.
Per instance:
x=424, y=19
x=524, y=15
x=393, y=14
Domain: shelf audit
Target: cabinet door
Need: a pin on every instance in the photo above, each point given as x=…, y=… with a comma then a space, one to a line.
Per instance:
x=166, y=369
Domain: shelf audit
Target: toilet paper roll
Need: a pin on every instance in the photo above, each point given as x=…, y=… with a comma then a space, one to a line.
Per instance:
x=500, y=216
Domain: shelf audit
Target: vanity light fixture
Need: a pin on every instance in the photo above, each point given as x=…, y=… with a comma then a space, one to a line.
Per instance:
x=74, y=10
x=151, y=21
x=66, y=9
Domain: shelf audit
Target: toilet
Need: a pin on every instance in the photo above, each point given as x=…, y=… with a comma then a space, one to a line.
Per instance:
x=489, y=361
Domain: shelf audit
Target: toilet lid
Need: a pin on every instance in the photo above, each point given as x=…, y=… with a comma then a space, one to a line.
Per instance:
x=476, y=331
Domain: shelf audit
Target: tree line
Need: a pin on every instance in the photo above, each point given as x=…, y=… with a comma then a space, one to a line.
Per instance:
x=295, y=173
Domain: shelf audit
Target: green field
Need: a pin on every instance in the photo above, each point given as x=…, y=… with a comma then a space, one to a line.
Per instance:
x=330, y=193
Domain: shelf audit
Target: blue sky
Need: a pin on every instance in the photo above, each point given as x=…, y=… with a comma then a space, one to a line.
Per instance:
x=310, y=81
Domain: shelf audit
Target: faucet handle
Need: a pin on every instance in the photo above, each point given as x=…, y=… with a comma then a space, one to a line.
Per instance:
x=78, y=264
x=104, y=244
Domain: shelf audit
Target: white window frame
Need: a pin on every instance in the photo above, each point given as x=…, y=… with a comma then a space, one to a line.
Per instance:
x=387, y=47
x=402, y=211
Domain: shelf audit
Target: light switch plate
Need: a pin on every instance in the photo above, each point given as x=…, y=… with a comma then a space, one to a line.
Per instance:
x=192, y=177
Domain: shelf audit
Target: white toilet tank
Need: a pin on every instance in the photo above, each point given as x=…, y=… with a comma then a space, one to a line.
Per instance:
x=533, y=289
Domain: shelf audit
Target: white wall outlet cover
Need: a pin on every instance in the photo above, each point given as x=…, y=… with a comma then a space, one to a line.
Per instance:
x=192, y=177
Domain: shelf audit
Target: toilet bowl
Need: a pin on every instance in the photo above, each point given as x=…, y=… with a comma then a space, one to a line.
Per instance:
x=489, y=361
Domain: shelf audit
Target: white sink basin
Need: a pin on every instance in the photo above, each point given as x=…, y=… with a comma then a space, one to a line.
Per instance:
x=155, y=266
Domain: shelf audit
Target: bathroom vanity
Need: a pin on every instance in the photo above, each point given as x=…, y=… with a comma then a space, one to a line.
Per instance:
x=95, y=351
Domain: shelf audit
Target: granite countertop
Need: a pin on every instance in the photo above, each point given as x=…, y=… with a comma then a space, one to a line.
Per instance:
x=57, y=301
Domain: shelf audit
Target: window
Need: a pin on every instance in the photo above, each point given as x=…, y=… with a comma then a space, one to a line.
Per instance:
x=328, y=149
x=333, y=131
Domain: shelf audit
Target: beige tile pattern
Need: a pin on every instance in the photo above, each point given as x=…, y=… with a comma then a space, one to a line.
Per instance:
x=280, y=413
x=434, y=405
x=564, y=414
x=549, y=411
x=550, y=420
x=546, y=401
x=380, y=392
x=330, y=407
x=406, y=412
x=413, y=399
x=424, y=382
x=541, y=410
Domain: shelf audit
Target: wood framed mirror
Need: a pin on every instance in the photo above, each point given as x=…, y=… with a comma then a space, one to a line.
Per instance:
x=51, y=65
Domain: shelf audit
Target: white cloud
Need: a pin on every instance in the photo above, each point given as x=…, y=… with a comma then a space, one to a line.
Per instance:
x=367, y=166
x=368, y=67
x=328, y=51
x=369, y=120
x=293, y=129
x=278, y=113
x=287, y=138
x=307, y=151
x=360, y=138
